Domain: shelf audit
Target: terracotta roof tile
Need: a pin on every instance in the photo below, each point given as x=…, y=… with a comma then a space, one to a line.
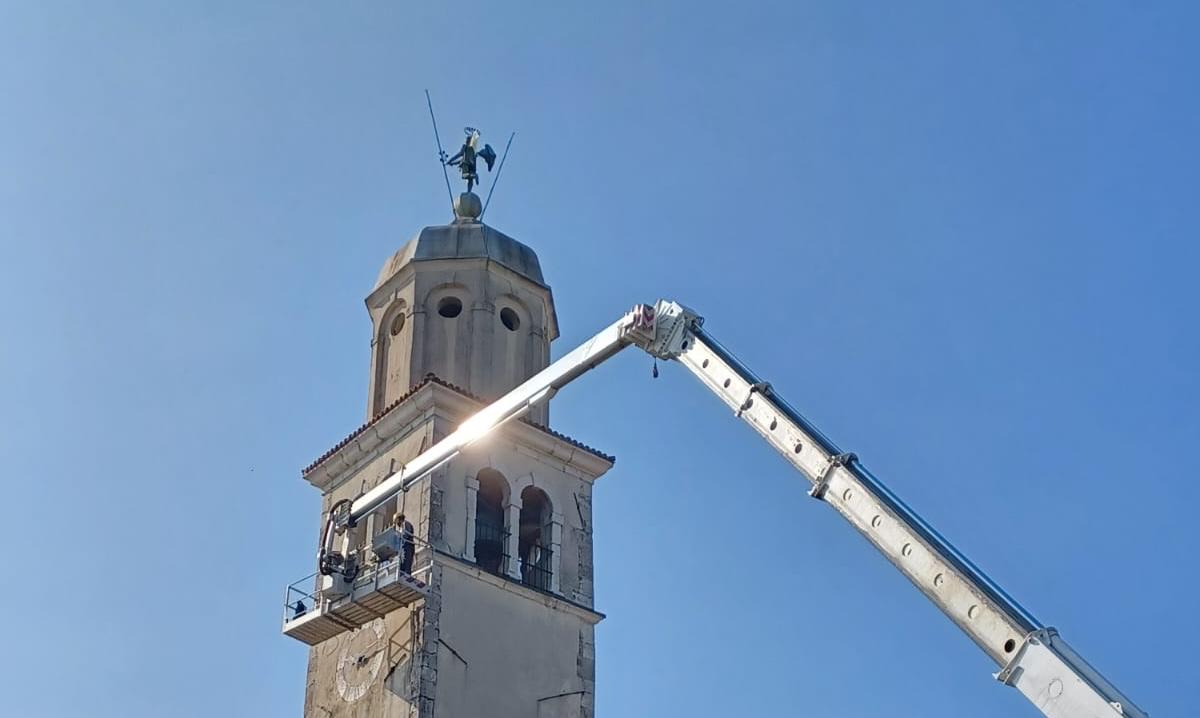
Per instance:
x=434, y=379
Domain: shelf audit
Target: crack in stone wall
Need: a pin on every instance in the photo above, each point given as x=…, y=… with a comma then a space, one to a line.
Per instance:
x=584, y=589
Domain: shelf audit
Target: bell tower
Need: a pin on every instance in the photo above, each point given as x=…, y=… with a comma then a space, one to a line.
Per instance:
x=464, y=302
x=503, y=622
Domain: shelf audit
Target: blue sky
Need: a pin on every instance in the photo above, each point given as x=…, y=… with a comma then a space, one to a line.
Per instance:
x=961, y=237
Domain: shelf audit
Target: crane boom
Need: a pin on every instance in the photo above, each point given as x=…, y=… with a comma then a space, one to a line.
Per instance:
x=1031, y=657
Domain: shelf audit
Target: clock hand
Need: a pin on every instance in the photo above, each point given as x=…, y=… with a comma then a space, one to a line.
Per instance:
x=364, y=657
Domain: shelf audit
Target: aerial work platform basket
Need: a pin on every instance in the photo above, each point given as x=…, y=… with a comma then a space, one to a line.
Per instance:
x=317, y=608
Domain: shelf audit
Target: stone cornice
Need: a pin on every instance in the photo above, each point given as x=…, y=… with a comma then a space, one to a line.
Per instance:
x=434, y=398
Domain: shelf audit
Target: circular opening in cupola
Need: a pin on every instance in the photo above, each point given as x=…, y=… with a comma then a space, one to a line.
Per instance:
x=509, y=319
x=397, y=324
x=450, y=307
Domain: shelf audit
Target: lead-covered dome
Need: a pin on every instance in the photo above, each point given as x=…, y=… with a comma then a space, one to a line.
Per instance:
x=465, y=240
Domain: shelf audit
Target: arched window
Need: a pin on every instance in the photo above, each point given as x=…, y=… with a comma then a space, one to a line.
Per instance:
x=533, y=541
x=490, y=536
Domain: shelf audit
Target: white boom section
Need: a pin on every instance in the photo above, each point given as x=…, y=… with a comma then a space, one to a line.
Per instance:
x=1032, y=657
x=539, y=387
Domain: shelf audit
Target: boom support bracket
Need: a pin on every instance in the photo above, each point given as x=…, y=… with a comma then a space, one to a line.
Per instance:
x=761, y=387
x=822, y=483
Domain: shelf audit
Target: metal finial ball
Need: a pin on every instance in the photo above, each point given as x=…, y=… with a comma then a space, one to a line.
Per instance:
x=468, y=206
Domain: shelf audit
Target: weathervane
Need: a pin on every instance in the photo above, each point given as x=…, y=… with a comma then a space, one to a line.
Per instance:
x=466, y=159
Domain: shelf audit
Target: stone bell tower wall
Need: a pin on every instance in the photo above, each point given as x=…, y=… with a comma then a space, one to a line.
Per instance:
x=483, y=642
x=507, y=654
x=460, y=315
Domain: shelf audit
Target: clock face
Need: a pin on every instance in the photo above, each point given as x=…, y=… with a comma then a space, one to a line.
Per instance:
x=360, y=660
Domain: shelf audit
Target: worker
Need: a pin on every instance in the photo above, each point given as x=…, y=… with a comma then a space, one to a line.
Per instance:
x=407, y=545
x=300, y=609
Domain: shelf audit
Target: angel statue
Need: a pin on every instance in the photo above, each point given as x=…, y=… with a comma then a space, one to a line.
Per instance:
x=464, y=160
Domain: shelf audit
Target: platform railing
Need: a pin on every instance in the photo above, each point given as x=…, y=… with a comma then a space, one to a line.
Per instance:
x=304, y=597
x=374, y=573
x=300, y=597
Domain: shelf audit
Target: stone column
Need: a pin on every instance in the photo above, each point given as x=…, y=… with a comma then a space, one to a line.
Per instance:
x=418, y=367
x=481, y=380
x=556, y=524
x=472, y=504
x=375, y=399
x=513, y=524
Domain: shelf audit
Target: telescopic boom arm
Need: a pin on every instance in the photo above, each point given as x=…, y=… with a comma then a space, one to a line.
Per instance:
x=1032, y=657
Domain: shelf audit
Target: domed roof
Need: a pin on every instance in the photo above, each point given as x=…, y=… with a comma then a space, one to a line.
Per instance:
x=465, y=240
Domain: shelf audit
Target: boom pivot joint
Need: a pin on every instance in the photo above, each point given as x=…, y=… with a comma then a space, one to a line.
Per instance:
x=662, y=330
